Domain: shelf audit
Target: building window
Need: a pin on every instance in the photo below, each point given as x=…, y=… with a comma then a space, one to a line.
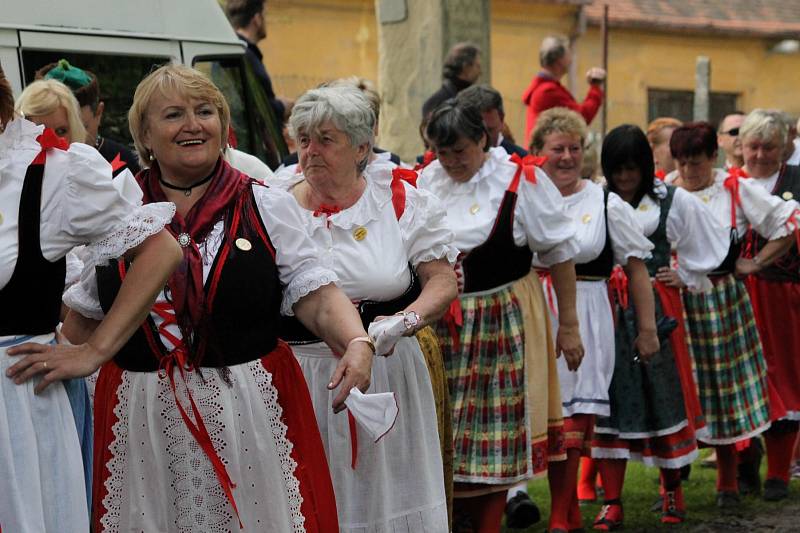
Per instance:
x=680, y=105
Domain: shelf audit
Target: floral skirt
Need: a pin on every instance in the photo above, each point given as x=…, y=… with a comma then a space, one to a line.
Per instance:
x=151, y=474
x=728, y=359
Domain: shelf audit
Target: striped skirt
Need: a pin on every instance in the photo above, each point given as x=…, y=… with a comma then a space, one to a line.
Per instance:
x=729, y=362
x=485, y=370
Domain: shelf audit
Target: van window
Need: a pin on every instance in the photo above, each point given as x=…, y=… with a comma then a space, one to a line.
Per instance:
x=253, y=121
x=117, y=75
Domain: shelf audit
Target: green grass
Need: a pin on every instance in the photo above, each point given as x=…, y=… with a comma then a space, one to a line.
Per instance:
x=641, y=490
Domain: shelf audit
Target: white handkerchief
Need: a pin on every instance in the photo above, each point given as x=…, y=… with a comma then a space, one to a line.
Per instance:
x=385, y=333
x=376, y=413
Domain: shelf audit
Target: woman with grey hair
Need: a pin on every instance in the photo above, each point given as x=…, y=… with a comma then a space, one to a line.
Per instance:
x=391, y=248
x=775, y=294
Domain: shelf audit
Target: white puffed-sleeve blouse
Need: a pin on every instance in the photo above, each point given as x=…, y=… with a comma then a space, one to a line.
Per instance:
x=540, y=221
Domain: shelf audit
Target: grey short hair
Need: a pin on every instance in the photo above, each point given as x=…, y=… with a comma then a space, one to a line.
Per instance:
x=765, y=124
x=483, y=97
x=343, y=105
x=553, y=48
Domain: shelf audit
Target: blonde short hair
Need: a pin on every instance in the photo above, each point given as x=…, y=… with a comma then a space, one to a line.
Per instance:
x=43, y=97
x=187, y=83
x=655, y=128
x=557, y=120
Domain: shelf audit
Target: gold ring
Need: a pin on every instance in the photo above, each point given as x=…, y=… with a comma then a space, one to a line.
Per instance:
x=45, y=364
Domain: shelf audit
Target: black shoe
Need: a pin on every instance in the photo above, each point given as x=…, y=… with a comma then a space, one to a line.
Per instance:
x=521, y=512
x=775, y=490
x=727, y=500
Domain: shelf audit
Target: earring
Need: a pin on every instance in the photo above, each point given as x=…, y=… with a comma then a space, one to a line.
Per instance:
x=151, y=156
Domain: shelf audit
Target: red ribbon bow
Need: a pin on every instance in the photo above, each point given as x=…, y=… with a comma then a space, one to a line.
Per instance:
x=405, y=174
x=528, y=165
x=732, y=184
x=618, y=284
x=661, y=174
x=327, y=210
x=49, y=139
x=399, y=176
x=117, y=163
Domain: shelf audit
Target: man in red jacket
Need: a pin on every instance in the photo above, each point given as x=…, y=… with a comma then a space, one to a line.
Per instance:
x=545, y=91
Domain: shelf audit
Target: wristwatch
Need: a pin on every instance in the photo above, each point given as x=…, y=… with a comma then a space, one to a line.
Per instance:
x=411, y=320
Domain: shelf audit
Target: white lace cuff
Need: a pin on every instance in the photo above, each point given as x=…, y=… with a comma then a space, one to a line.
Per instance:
x=79, y=300
x=304, y=284
x=141, y=223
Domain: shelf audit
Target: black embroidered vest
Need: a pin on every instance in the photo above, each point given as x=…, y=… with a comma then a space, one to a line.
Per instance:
x=602, y=265
x=243, y=294
x=787, y=268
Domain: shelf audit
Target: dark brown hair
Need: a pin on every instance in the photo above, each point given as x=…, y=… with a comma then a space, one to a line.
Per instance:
x=693, y=138
x=241, y=12
x=6, y=100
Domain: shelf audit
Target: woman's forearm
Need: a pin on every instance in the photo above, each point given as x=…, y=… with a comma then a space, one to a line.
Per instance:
x=329, y=314
x=641, y=291
x=439, y=288
x=154, y=261
x=563, y=276
x=774, y=250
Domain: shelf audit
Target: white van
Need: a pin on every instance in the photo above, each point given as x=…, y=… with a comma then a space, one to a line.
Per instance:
x=121, y=41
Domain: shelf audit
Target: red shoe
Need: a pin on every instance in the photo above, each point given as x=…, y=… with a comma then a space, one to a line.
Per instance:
x=673, y=510
x=610, y=517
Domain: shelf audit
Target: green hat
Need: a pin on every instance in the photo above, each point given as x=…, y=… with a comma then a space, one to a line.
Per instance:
x=72, y=77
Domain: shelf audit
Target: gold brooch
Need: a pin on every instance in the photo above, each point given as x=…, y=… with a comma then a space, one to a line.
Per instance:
x=705, y=199
x=586, y=218
x=243, y=244
x=474, y=209
x=787, y=195
x=360, y=233
x=643, y=207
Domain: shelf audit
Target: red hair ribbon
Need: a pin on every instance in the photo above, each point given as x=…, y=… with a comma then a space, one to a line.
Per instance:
x=618, y=283
x=528, y=165
x=49, y=139
x=177, y=360
x=732, y=184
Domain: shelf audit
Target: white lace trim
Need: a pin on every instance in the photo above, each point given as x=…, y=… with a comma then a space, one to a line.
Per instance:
x=283, y=445
x=141, y=223
x=304, y=284
x=442, y=251
x=117, y=466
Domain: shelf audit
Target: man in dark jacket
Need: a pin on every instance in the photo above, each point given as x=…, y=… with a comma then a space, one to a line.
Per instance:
x=490, y=103
x=247, y=19
x=545, y=91
x=462, y=68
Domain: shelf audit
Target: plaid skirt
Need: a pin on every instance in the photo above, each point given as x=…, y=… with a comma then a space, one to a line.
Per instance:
x=729, y=362
x=486, y=382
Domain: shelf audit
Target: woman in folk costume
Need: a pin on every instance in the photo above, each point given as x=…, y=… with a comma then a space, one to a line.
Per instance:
x=498, y=356
x=392, y=251
x=724, y=342
x=53, y=197
x=651, y=421
x=607, y=234
x=203, y=420
x=775, y=294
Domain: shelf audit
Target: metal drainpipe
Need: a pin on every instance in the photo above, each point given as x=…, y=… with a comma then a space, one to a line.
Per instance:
x=578, y=30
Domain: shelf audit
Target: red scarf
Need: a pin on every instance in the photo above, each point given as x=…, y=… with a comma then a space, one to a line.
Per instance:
x=186, y=284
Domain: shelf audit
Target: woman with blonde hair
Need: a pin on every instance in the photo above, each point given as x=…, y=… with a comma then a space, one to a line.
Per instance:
x=203, y=420
x=52, y=104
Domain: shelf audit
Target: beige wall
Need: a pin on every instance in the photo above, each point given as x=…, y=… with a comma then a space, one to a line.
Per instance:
x=310, y=41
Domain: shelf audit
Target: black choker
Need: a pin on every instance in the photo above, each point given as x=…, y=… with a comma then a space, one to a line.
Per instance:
x=187, y=191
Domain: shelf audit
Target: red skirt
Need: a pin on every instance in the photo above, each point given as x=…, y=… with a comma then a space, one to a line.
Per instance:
x=672, y=305
x=777, y=309
x=151, y=473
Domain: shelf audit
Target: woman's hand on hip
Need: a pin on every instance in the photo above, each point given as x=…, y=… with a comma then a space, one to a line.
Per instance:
x=53, y=362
